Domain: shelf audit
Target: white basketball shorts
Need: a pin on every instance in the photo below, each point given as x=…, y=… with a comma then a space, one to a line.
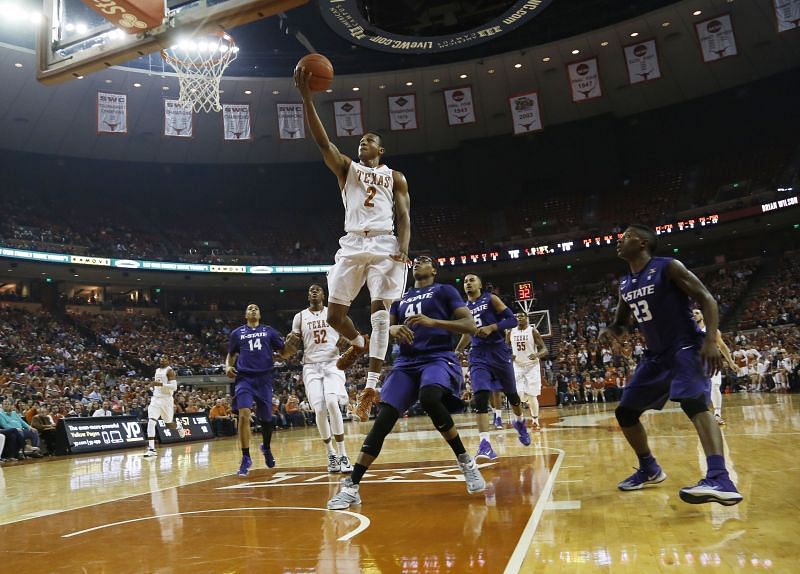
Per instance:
x=161, y=407
x=529, y=379
x=366, y=260
x=321, y=379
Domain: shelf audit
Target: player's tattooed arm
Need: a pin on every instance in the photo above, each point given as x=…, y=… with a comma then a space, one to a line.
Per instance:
x=402, y=215
x=336, y=161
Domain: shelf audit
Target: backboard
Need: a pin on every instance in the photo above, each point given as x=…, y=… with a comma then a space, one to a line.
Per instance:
x=74, y=41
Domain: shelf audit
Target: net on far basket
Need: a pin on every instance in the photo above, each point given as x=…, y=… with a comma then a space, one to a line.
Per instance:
x=199, y=64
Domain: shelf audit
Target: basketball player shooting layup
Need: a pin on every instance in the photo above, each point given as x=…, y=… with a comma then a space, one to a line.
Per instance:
x=676, y=366
x=376, y=207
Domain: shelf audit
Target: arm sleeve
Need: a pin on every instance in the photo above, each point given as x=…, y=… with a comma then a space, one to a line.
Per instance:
x=508, y=320
x=233, y=342
x=296, y=323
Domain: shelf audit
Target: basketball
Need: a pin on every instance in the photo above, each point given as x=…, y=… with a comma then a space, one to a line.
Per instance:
x=321, y=71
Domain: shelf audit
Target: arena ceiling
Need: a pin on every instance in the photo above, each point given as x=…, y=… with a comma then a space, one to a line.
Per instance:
x=60, y=120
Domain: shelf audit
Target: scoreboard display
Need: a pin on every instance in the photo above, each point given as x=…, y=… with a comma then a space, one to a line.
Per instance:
x=523, y=291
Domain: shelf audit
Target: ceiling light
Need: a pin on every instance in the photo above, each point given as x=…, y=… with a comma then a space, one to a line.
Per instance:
x=490, y=71
x=275, y=92
x=356, y=88
x=546, y=59
x=328, y=91
x=517, y=65
x=665, y=24
x=137, y=85
x=604, y=44
x=697, y=12
x=463, y=76
x=576, y=51
x=634, y=34
x=381, y=86
x=248, y=92
x=165, y=88
x=18, y=65
x=409, y=83
x=436, y=80
x=108, y=81
x=78, y=77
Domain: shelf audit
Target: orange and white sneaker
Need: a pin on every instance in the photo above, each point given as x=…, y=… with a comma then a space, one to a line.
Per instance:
x=366, y=399
x=535, y=425
x=352, y=354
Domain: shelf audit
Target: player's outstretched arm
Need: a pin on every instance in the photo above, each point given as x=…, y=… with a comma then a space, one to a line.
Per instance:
x=402, y=215
x=725, y=350
x=336, y=161
x=688, y=282
x=290, y=346
x=462, y=322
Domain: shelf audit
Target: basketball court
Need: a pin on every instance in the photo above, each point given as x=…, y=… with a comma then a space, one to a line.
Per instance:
x=550, y=507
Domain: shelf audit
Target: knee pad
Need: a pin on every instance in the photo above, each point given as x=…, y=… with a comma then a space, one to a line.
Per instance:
x=513, y=399
x=694, y=406
x=482, y=402
x=383, y=425
x=627, y=417
x=379, y=341
x=431, y=399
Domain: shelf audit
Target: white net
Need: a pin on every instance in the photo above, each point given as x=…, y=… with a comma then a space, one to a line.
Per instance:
x=199, y=65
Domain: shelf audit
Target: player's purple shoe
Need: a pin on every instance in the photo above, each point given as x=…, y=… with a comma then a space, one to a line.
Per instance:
x=720, y=490
x=244, y=468
x=268, y=458
x=485, y=451
x=638, y=479
x=524, y=436
x=498, y=423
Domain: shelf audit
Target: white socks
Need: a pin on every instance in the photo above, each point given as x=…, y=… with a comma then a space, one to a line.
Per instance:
x=372, y=380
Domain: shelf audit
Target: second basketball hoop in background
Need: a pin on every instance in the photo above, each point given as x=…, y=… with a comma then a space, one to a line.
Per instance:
x=321, y=71
x=199, y=64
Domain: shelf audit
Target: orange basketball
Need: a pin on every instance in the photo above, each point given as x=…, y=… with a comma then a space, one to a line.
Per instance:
x=321, y=71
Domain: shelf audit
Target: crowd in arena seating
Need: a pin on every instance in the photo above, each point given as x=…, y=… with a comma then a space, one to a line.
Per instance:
x=776, y=303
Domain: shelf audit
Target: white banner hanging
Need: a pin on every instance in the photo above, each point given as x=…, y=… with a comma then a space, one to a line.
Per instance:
x=460, y=107
x=642, y=61
x=403, y=112
x=112, y=113
x=236, y=122
x=525, y=114
x=716, y=37
x=584, y=80
x=291, y=121
x=178, y=119
x=349, y=121
x=787, y=14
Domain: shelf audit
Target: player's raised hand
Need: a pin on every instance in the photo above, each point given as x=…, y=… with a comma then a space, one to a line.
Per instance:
x=401, y=257
x=402, y=334
x=421, y=320
x=301, y=81
x=712, y=358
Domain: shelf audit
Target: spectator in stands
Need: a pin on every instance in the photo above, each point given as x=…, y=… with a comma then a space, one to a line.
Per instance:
x=10, y=419
x=13, y=444
x=104, y=411
x=223, y=423
x=46, y=427
x=293, y=414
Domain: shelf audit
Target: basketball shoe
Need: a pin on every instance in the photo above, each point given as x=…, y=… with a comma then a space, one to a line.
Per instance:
x=345, y=464
x=366, y=399
x=352, y=354
x=719, y=489
x=333, y=463
x=498, y=422
x=524, y=436
x=347, y=495
x=638, y=479
x=472, y=475
x=151, y=453
x=268, y=458
x=535, y=424
x=244, y=467
x=719, y=419
x=485, y=451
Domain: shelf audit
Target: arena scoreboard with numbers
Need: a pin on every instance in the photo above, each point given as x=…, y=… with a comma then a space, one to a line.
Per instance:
x=523, y=291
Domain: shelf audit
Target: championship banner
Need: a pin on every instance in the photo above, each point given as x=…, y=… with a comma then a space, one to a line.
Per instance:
x=178, y=119
x=196, y=426
x=291, y=121
x=716, y=38
x=74, y=435
x=403, y=112
x=642, y=62
x=112, y=113
x=787, y=14
x=236, y=122
x=584, y=80
x=460, y=108
x=525, y=114
x=349, y=121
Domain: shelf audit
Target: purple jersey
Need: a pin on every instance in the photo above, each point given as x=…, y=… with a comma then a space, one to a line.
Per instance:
x=484, y=314
x=436, y=301
x=255, y=346
x=660, y=307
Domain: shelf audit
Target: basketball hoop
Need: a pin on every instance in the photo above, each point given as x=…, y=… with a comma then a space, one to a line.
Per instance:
x=199, y=65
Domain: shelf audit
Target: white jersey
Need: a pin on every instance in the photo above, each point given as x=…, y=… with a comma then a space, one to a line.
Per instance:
x=523, y=345
x=319, y=338
x=167, y=387
x=368, y=199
